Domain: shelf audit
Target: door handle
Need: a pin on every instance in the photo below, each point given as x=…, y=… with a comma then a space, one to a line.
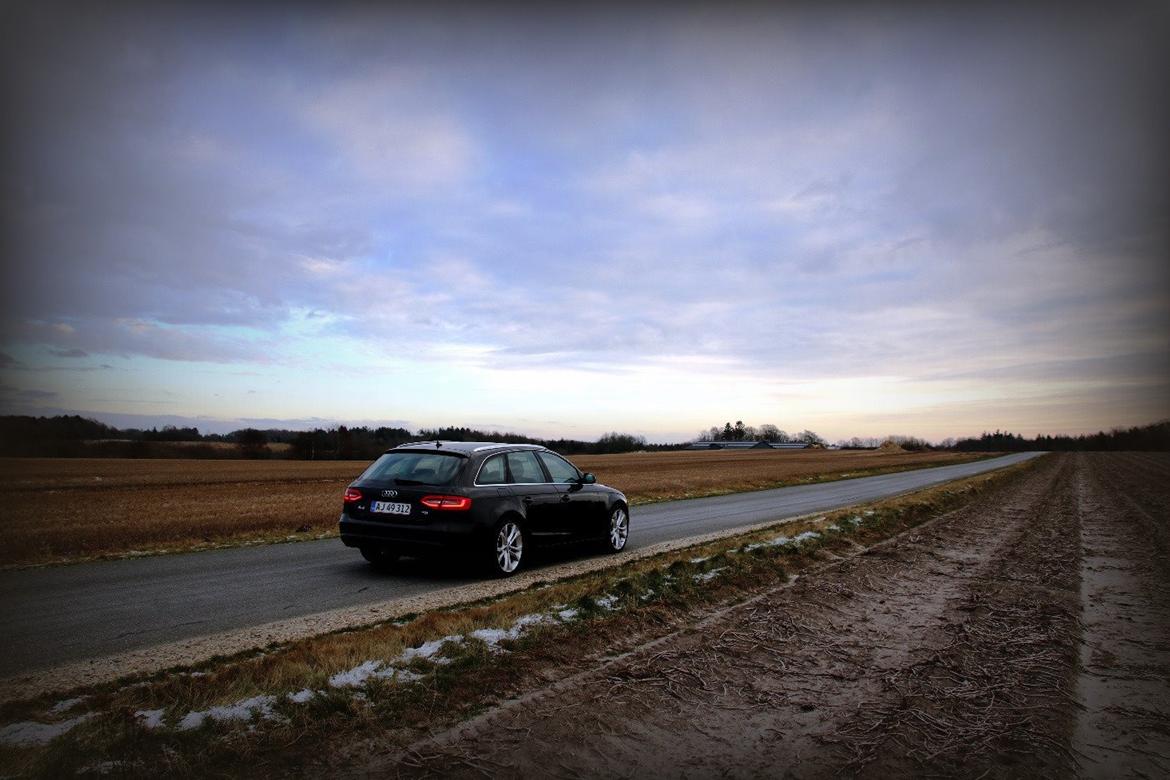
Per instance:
x=564, y=499
x=527, y=499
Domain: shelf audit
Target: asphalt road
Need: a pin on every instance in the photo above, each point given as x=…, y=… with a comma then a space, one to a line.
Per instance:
x=60, y=614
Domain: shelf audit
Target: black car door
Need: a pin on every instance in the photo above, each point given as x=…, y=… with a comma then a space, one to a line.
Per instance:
x=584, y=506
x=541, y=499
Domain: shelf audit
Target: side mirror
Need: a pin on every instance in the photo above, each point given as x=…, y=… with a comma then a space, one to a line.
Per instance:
x=588, y=479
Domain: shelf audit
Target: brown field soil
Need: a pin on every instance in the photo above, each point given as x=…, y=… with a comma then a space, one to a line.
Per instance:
x=951, y=650
x=661, y=476
x=63, y=509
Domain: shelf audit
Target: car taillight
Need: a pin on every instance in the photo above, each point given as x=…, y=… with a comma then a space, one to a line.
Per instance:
x=451, y=503
x=352, y=494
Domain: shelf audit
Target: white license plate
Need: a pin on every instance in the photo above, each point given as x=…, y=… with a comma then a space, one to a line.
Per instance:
x=390, y=508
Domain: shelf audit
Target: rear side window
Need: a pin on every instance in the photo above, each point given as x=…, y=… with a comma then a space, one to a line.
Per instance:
x=418, y=468
x=560, y=469
x=524, y=467
x=492, y=472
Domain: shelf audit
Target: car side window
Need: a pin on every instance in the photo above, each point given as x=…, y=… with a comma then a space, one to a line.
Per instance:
x=524, y=467
x=560, y=469
x=492, y=472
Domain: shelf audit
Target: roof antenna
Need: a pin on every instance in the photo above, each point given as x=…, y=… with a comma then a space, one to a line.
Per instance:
x=438, y=445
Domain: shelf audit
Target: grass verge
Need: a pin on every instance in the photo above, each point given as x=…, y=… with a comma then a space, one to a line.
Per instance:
x=270, y=711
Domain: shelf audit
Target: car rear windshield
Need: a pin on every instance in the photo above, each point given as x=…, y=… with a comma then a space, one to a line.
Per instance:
x=414, y=468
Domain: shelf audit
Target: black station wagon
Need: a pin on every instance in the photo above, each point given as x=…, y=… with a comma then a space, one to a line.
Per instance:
x=492, y=500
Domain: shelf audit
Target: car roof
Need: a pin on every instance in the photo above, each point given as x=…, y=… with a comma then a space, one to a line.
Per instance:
x=465, y=447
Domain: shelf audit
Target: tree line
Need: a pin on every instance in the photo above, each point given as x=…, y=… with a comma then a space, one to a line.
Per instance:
x=76, y=436
x=908, y=443
x=1144, y=437
x=766, y=432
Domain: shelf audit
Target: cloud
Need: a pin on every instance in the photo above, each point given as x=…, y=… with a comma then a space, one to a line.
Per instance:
x=19, y=398
x=136, y=337
x=781, y=195
x=388, y=130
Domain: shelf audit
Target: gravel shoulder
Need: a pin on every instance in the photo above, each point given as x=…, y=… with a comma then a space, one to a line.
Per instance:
x=954, y=649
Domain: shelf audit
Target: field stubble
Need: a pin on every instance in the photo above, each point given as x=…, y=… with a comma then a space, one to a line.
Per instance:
x=59, y=510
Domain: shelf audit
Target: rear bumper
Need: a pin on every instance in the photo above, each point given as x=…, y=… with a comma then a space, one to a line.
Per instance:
x=455, y=533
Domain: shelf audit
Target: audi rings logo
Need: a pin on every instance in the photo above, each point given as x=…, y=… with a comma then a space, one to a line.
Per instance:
x=389, y=494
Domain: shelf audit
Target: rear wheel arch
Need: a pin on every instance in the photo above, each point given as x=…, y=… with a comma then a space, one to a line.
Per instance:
x=509, y=512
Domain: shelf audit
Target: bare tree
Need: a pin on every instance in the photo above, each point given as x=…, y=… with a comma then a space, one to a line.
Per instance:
x=809, y=437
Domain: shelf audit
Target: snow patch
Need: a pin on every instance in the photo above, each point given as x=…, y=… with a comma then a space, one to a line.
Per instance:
x=241, y=710
x=107, y=767
x=700, y=560
x=490, y=636
x=567, y=614
x=32, y=733
x=708, y=575
x=64, y=706
x=302, y=696
x=352, y=678
x=406, y=676
x=797, y=540
x=356, y=676
x=427, y=650
x=608, y=603
x=150, y=719
x=493, y=636
x=774, y=542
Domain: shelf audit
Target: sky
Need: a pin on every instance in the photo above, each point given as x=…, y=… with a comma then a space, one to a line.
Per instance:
x=860, y=219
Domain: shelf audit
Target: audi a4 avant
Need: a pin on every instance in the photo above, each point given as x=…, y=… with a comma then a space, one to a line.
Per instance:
x=492, y=500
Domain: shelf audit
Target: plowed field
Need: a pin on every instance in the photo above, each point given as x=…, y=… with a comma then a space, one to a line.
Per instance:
x=1024, y=635
x=65, y=509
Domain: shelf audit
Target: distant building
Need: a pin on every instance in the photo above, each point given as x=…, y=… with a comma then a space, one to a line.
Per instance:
x=747, y=445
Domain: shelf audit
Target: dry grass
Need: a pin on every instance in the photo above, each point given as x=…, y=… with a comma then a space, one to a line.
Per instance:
x=653, y=596
x=57, y=510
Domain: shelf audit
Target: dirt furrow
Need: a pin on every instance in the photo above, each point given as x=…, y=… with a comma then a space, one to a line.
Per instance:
x=1003, y=683
x=960, y=634
x=1124, y=686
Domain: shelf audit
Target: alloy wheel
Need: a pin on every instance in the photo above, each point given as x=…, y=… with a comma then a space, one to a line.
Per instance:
x=509, y=547
x=619, y=529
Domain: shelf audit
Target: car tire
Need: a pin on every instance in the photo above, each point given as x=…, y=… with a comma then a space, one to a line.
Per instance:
x=619, y=530
x=507, y=549
x=381, y=558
